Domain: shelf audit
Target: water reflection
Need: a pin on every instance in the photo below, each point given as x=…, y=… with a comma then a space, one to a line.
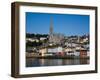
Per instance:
x=34, y=62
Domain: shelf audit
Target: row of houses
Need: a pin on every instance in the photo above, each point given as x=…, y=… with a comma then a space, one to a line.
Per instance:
x=69, y=47
x=63, y=51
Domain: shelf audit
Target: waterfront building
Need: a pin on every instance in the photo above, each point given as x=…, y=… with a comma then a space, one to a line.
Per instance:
x=83, y=53
x=43, y=51
x=53, y=50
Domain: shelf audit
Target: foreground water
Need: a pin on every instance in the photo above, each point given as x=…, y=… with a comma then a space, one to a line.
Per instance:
x=34, y=62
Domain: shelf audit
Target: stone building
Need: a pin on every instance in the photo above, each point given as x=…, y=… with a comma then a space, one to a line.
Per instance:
x=55, y=38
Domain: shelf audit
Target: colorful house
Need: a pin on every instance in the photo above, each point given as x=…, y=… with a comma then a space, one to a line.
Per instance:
x=83, y=53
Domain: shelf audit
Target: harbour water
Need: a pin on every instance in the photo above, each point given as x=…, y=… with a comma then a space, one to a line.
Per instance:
x=35, y=62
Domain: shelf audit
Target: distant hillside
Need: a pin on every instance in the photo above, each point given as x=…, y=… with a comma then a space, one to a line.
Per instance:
x=36, y=38
x=28, y=35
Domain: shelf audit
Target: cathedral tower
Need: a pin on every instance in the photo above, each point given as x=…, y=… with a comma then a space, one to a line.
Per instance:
x=51, y=27
x=54, y=38
x=51, y=31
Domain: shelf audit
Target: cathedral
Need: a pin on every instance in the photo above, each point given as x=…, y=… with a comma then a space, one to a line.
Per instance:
x=55, y=38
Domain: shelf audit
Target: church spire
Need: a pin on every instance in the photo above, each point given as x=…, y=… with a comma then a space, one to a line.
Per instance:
x=51, y=31
x=51, y=26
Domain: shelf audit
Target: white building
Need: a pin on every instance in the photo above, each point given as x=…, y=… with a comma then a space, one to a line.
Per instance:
x=55, y=49
x=50, y=50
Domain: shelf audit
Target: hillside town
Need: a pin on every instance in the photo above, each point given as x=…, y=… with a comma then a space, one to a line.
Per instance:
x=57, y=45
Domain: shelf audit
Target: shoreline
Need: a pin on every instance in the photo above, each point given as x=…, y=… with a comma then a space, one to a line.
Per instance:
x=57, y=57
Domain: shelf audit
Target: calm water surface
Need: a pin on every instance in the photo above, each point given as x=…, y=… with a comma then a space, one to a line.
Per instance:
x=34, y=62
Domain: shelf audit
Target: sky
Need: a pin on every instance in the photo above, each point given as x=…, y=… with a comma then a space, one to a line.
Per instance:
x=67, y=24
